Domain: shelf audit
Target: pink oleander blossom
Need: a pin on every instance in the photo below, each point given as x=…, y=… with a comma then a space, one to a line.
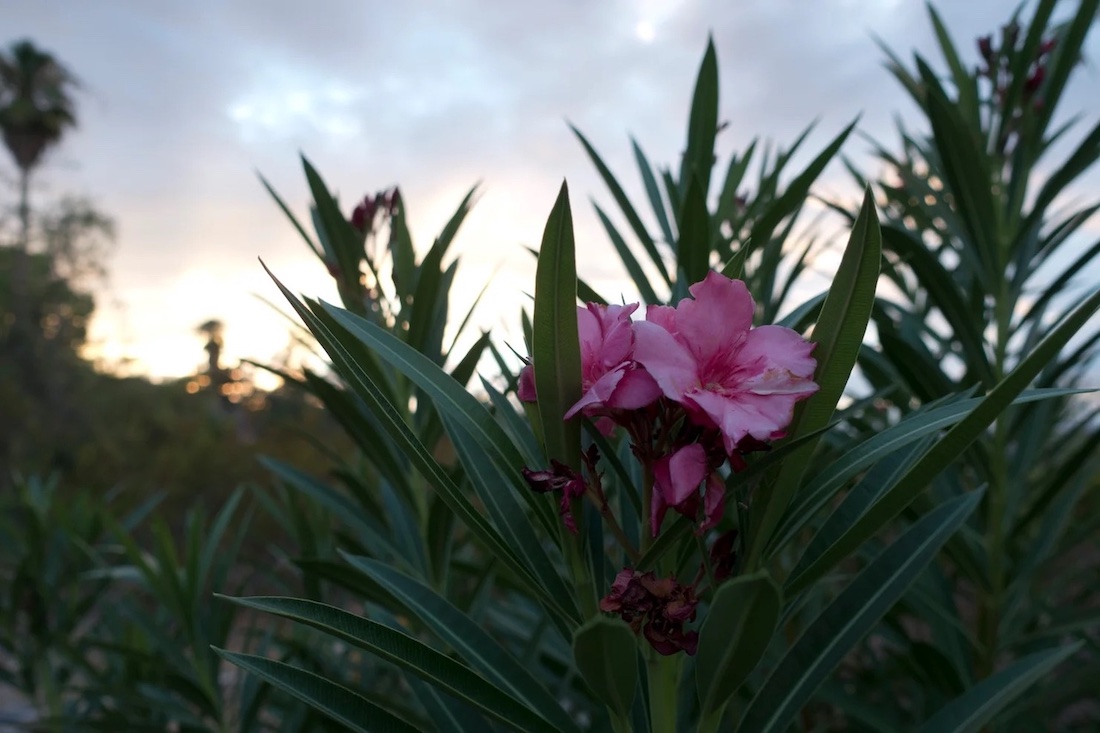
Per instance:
x=610, y=377
x=705, y=355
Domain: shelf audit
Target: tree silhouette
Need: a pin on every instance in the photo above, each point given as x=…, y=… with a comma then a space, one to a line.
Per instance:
x=36, y=109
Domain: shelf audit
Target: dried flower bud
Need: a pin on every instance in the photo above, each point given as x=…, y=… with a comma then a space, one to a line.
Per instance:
x=658, y=607
x=561, y=478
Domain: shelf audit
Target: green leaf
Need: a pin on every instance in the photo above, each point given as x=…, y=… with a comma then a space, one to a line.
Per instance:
x=839, y=335
x=334, y=229
x=734, y=635
x=556, y=350
x=467, y=638
x=606, y=652
x=449, y=397
x=403, y=255
x=795, y=194
x=978, y=705
x=966, y=174
x=411, y=655
x=945, y=294
x=829, y=637
x=336, y=701
x=654, y=193
x=948, y=448
x=626, y=207
x=293, y=219
x=698, y=158
x=500, y=499
x=693, y=248
x=420, y=457
x=630, y=262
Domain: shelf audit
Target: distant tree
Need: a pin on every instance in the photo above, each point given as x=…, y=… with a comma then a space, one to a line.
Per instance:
x=213, y=330
x=36, y=109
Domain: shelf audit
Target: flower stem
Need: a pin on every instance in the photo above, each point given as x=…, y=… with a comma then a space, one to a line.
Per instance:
x=620, y=724
x=663, y=682
x=647, y=501
x=574, y=554
x=600, y=500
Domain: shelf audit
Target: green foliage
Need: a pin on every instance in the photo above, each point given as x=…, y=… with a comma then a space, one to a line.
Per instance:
x=913, y=555
x=994, y=292
x=510, y=601
x=606, y=653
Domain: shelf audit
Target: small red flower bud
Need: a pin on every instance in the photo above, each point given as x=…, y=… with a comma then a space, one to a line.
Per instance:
x=362, y=216
x=985, y=47
x=560, y=478
x=1035, y=80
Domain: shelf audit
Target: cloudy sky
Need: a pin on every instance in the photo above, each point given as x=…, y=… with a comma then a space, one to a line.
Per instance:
x=184, y=102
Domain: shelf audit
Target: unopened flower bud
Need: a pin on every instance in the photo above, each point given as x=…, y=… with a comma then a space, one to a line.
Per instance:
x=985, y=47
x=1035, y=80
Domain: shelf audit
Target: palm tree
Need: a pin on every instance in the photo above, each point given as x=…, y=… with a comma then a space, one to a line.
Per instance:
x=36, y=108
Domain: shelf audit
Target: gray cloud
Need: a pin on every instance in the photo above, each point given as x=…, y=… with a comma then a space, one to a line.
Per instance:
x=185, y=101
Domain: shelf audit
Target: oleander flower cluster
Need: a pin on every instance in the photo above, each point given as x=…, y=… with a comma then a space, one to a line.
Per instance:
x=695, y=387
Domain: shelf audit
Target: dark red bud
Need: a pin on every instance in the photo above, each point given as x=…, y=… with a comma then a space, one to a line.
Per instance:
x=985, y=47
x=362, y=217
x=560, y=478
x=1035, y=80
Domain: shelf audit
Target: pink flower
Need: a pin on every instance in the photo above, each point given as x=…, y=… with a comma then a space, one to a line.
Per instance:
x=704, y=354
x=676, y=480
x=526, y=389
x=610, y=377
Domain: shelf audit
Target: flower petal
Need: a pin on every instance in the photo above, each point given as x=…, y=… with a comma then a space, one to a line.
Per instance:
x=676, y=480
x=762, y=416
x=526, y=390
x=666, y=359
x=663, y=315
x=713, y=503
x=718, y=318
x=599, y=393
x=784, y=364
x=636, y=389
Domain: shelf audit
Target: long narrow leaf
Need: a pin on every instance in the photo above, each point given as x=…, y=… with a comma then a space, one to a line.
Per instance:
x=336, y=701
x=850, y=617
x=409, y=654
x=467, y=638
x=978, y=705
x=949, y=447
